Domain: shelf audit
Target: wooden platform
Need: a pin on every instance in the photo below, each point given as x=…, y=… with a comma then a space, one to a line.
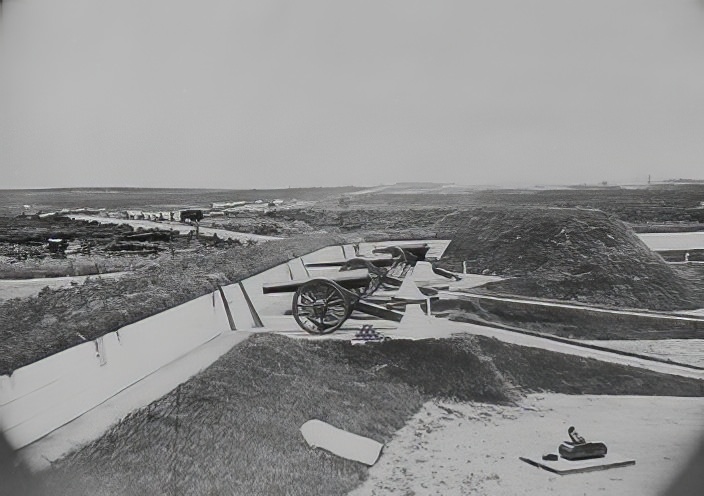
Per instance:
x=564, y=467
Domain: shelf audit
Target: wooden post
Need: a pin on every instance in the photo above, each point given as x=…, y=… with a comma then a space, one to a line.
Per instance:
x=255, y=316
x=227, y=309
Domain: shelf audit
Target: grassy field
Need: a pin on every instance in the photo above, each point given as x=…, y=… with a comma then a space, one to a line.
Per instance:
x=560, y=254
x=233, y=429
x=653, y=204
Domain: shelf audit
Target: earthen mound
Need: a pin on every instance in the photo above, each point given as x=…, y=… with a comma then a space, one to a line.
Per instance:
x=566, y=254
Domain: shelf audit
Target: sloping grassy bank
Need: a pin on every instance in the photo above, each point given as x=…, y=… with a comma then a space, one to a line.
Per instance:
x=537, y=370
x=577, y=323
x=234, y=429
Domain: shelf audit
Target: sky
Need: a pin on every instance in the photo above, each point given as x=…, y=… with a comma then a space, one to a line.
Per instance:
x=274, y=93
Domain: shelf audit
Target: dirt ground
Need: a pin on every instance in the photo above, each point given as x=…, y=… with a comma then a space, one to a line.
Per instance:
x=474, y=448
x=22, y=288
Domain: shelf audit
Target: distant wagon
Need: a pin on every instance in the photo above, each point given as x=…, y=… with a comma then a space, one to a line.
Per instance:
x=192, y=215
x=57, y=245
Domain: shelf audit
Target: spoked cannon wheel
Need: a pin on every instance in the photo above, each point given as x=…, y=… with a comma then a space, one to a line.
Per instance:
x=320, y=306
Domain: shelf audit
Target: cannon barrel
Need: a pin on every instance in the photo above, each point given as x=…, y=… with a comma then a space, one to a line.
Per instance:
x=349, y=280
x=419, y=251
x=377, y=262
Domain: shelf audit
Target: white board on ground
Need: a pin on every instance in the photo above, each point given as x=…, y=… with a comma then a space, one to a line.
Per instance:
x=298, y=269
x=319, y=434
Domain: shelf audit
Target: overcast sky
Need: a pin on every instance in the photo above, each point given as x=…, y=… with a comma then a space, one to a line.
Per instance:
x=240, y=94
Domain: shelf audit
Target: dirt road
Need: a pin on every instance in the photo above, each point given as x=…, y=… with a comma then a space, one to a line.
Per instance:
x=21, y=288
x=176, y=226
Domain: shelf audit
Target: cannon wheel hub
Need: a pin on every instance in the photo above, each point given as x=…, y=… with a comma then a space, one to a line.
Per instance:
x=320, y=306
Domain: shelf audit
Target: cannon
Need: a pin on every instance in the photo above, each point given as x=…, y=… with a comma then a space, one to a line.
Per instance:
x=410, y=253
x=387, y=269
x=321, y=305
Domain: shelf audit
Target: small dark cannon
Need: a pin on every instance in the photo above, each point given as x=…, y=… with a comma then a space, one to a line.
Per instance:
x=321, y=305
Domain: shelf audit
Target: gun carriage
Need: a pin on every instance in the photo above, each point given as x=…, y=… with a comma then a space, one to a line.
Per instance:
x=322, y=304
